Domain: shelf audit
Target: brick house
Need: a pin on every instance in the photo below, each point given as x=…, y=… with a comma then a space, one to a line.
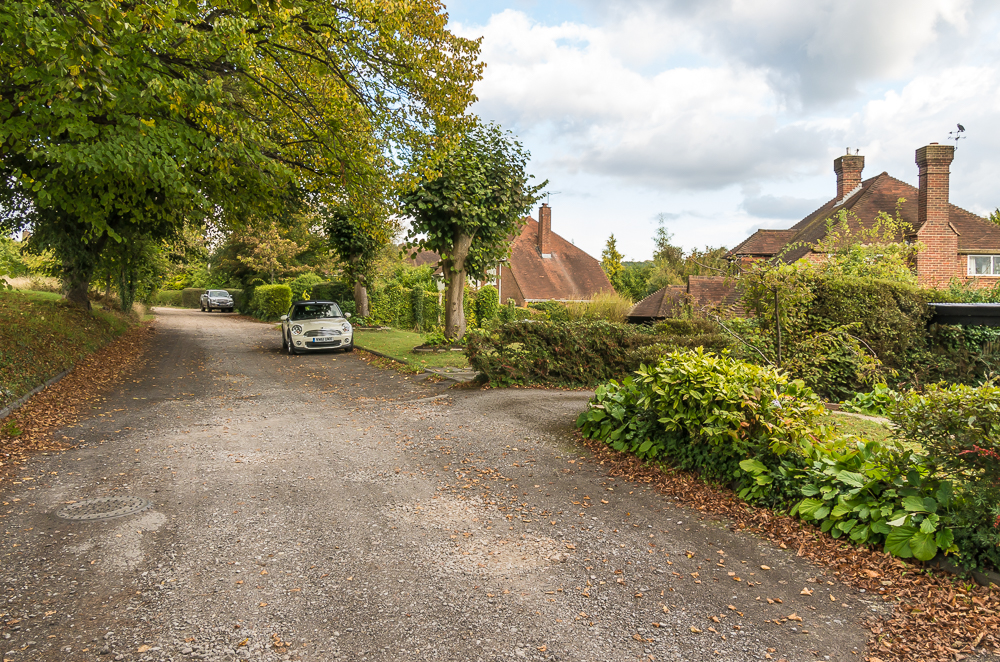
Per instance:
x=958, y=244
x=543, y=266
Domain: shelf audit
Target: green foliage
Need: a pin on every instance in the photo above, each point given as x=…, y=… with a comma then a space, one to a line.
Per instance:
x=417, y=300
x=876, y=493
x=870, y=250
x=334, y=290
x=632, y=281
x=168, y=298
x=704, y=412
x=470, y=213
x=487, y=305
x=552, y=311
x=727, y=419
x=11, y=262
x=271, y=301
x=565, y=353
x=611, y=260
x=302, y=286
x=880, y=401
x=191, y=297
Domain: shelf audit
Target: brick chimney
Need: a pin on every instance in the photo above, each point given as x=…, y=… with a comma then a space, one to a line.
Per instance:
x=938, y=263
x=848, y=169
x=545, y=229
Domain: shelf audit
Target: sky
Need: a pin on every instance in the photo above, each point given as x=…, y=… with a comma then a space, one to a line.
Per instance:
x=720, y=117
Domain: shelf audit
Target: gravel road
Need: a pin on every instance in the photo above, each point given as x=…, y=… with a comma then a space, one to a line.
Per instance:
x=317, y=508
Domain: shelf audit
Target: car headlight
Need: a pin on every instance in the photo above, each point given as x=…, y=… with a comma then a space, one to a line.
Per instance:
x=296, y=329
x=347, y=327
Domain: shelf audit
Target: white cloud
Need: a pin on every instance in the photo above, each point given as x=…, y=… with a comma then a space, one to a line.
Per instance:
x=729, y=113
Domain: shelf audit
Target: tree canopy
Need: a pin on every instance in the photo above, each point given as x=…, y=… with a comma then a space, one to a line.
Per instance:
x=138, y=116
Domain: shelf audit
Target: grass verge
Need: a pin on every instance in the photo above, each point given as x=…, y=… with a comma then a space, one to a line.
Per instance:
x=399, y=345
x=41, y=335
x=861, y=427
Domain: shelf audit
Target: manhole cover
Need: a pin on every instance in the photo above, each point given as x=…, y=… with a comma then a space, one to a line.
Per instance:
x=104, y=508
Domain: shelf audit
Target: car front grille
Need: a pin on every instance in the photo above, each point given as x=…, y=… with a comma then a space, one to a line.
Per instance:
x=322, y=332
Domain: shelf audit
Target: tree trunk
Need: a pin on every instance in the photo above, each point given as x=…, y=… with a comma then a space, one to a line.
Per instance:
x=78, y=268
x=360, y=298
x=454, y=271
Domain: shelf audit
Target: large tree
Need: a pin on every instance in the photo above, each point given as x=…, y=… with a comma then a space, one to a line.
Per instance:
x=471, y=212
x=123, y=119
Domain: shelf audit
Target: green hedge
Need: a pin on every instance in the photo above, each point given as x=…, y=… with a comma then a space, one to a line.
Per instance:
x=333, y=290
x=302, y=286
x=237, y=295
x=191, y=297
x=487, y=305
x=575, y=353
x=168, y=298
x=271, y=301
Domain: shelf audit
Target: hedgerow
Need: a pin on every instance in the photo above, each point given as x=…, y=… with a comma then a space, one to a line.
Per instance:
x=271, y=301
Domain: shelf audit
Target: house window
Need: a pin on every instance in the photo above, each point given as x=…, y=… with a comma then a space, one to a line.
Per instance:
x=984, y=265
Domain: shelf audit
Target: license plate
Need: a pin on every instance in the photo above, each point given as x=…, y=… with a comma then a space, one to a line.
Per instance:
x=315, y=340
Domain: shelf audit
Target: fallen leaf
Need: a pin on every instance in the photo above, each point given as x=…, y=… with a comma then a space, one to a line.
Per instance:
x=806, y=591
x=795, y=617
x=764, y=567
x=695, y=630
x=143, y=648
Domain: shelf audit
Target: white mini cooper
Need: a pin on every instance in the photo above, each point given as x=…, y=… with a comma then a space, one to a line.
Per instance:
x=312, y=325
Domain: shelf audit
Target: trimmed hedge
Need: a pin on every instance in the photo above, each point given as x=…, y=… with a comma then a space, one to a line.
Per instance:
x=333, y=290
x=487, y=305
x=302, y=286
x=168, y=298
x=191, y=297
x=576, y=353
x=271, y=301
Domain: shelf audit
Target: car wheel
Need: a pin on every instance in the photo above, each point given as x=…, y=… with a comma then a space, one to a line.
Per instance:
x=349, y=348
x=284, y=343
x=202, y=307
x=290, y=347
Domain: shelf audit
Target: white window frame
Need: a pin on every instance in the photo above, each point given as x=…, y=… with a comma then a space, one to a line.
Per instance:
x=971, y=266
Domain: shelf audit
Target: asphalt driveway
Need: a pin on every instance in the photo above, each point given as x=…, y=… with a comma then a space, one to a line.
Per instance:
x=317, y=508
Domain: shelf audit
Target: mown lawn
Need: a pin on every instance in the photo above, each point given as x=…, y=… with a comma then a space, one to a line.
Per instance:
x=862, y=427
x=41, y=335
x=399, y=345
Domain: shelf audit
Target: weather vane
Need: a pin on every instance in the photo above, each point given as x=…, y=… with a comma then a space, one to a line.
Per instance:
x=956, y=135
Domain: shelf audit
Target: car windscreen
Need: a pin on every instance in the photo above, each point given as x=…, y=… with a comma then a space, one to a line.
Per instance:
x=315, y=311
x=218, y=293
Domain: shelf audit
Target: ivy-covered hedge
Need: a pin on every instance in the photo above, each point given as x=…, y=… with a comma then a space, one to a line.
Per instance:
x=191, y=297
x=933, y=487
x=271, y=301
x=168, y=298
x=580, y=353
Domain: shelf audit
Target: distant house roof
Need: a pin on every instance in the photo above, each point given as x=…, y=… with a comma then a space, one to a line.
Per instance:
x=423, y=257
x=565, y=273
x=661, y=304
x=763, y=243
x=714, y=293
x=880, y=193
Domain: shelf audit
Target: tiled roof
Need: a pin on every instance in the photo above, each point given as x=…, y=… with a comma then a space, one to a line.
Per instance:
x=880, y=193
x=713, y=292
x=664, y=302
x=568, y=275
x=423, y=257
x=763, y=243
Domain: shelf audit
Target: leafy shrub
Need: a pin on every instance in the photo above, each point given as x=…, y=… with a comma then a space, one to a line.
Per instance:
x=487, y=305
x=878, y=402
x=552, y=311
x=511, y=313
x=168, y=298
x=417, y=301
x=302, y=286
x=958, y=429
x=728, y=419
x=191, y=297
x=704, y=413
x=271, y=301
x=237, y=295
x=876, y=493
x=569, y=353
